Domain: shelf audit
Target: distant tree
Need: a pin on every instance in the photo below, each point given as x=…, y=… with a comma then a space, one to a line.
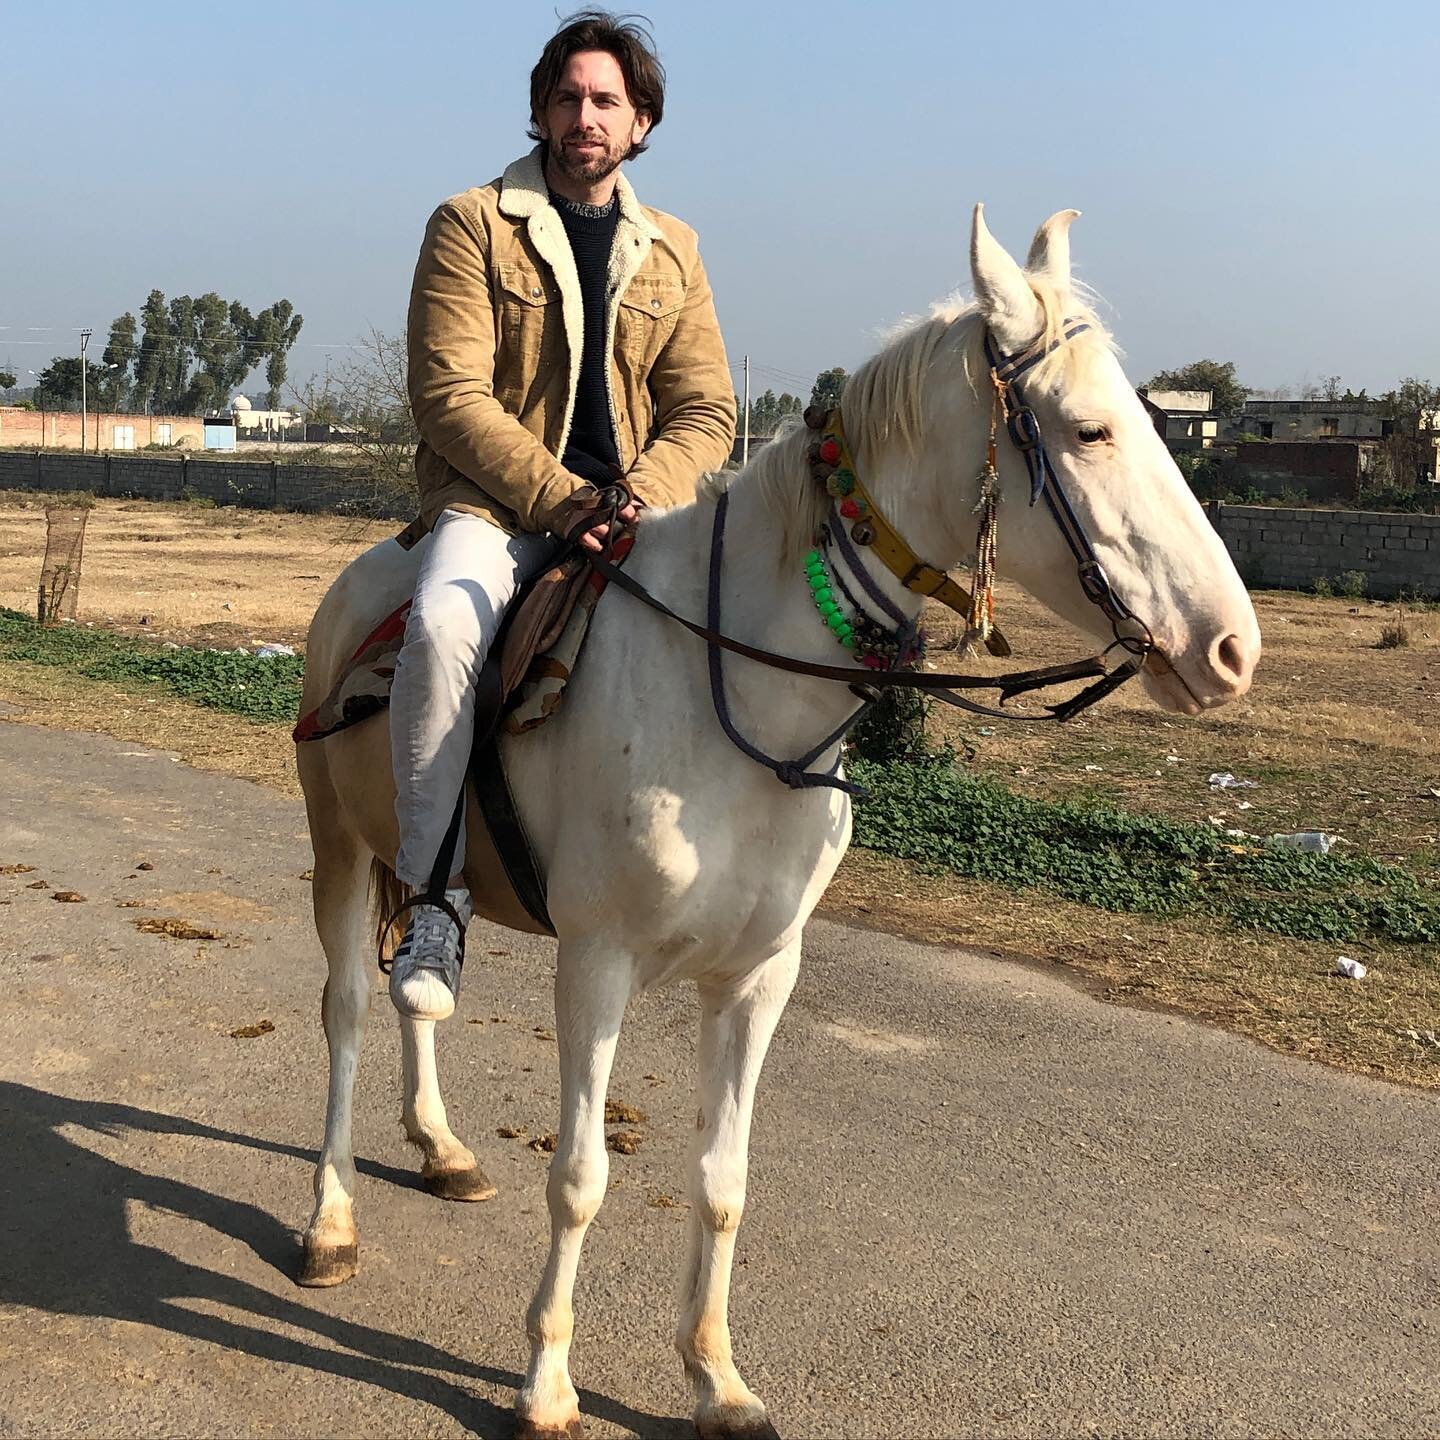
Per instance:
x=1227, y=394
x=58, y=386
x=769, y=409
x=7, y=380
x=369, y=395
x=828, y=387
x=1413, y=409
x=118, y=357
x=195, y=352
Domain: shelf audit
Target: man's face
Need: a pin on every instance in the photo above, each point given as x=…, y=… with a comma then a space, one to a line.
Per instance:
x=589, y=123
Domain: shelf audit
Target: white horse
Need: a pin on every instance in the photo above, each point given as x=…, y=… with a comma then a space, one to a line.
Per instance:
x=668, y=854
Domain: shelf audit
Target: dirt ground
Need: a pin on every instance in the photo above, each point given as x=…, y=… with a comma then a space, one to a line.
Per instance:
x=1336, y=734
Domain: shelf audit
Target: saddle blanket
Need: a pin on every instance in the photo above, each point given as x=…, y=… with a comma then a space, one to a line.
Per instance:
x=362, y=687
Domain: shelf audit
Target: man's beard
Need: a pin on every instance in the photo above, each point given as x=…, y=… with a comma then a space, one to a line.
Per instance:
x=590, y=171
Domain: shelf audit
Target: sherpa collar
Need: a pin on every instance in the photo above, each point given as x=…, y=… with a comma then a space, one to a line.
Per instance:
x=523, y=193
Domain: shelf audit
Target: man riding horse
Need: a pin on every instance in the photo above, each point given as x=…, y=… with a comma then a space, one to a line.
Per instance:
x=561, y=336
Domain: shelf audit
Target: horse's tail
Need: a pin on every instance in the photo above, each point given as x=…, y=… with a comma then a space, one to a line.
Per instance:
x=388, y=892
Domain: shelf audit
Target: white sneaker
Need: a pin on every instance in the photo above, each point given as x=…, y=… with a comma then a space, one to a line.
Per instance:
x=425, y=973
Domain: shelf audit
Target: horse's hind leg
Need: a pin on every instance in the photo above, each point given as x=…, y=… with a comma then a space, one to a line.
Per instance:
x=449, y=1169
x=342, y=919
x=735, y=1030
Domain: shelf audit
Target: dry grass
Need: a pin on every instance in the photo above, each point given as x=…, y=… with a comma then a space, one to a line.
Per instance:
x=1338, y=733
x=180, y=566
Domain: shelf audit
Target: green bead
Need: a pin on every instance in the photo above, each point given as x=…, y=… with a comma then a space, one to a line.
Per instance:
x=823, y=593
x=813, y=558
x=845, y=631
x=848, y=641
x=828, y=608
x=835, y=621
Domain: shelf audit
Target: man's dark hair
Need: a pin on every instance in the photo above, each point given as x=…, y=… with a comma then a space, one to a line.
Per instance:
x=627, y=38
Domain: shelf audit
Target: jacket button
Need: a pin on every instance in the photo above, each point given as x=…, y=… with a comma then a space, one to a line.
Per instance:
x=654, y=304
x=535, y=293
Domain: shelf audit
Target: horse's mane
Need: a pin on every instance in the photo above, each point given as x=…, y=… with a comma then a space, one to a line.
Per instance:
x=882, y=401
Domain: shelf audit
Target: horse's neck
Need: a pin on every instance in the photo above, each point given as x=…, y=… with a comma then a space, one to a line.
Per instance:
x=766, y=601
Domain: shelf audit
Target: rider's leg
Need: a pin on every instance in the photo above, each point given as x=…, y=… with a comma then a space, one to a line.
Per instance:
x=470, y=573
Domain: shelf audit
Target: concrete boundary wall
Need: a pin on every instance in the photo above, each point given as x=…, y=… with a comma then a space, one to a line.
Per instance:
x=1275, y=548
x=257, y=484
x=1272, y=547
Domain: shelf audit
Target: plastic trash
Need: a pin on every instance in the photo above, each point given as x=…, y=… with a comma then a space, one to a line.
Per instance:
x=270, y=649
x=1224, y=780
x=1351, y=969
x=1314, y=841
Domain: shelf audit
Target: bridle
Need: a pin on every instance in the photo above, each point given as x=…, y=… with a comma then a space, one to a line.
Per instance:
x=857, y=525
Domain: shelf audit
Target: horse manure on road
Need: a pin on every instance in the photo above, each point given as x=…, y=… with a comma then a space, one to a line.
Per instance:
x=510, y=1132
x=544, y=1144
x=69, y=897
x=174, y=929
x=16, y=869
x=617, y=1112
x=250, y=1032
x=624, y=1142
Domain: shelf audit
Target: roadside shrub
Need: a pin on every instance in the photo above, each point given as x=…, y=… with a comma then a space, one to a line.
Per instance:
x=1323, y=587
x=1351, y=584
x=1394, y=637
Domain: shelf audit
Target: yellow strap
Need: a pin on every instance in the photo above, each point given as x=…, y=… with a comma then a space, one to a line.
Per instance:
x=897, y=557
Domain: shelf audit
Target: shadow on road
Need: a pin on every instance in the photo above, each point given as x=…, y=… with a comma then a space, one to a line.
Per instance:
x=69, y=1251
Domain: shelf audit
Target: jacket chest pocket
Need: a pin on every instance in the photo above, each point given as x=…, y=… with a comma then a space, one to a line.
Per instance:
x=528, y=311
x=649, y=310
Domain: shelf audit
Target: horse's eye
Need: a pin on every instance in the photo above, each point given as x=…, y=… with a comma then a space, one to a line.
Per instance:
x=1092, y=433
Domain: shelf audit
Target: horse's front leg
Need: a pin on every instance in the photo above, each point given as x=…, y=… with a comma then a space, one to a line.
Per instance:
x=592, y=988
x=449, y=1169
x=735, y=1028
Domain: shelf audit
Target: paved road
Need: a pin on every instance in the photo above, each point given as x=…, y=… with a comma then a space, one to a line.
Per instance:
x=983, y=1203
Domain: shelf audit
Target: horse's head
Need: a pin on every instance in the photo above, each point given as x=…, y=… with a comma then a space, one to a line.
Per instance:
x=1163, y=559
x=1162, y=556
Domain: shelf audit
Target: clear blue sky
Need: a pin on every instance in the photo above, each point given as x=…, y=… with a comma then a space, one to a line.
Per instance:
x=1257, y=180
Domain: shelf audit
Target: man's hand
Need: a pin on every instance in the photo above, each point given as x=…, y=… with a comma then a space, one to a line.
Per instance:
x=595, y=539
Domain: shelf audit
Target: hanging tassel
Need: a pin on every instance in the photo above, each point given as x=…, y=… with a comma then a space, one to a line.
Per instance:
x=980, y=622
x=981, y=619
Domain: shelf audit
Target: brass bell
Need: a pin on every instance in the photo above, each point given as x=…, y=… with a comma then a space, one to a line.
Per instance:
x=862, y=533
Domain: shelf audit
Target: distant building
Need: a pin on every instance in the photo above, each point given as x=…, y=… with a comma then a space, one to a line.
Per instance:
x=219, y=432
x=104, y=430
x=254, y=423
x=1182, y=418
x=1310, y=420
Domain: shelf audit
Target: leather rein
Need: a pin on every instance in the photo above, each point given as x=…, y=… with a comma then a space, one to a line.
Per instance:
x=872, y=531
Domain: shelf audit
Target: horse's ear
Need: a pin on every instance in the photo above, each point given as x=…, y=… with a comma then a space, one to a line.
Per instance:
x=1050, y=249
x=1006, y=299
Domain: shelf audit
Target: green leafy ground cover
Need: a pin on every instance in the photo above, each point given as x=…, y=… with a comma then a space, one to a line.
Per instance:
x=261, y=690
x=1084, y=850
x=923, y=809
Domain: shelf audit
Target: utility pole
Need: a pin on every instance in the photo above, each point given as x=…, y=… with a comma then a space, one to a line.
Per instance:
x=84, y=397
x=745, y=444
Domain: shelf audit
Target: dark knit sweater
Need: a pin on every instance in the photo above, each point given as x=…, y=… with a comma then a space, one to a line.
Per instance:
x=590, y=450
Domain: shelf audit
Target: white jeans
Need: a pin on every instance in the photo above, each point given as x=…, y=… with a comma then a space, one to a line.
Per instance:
x=470, y=573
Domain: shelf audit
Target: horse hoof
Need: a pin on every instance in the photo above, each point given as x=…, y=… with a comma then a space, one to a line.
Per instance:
x=325, y=1265
x=720, y=1427
x=471, y=1185
x=529, y=1430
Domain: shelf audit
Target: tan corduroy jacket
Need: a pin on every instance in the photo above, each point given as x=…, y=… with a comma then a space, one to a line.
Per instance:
x=495, y=334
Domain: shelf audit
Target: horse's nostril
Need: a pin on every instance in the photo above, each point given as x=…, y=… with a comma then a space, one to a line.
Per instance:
x=1231, y=658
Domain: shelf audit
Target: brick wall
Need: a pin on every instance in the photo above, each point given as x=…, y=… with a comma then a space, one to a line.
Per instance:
x=60, y=430
x=1291, y=549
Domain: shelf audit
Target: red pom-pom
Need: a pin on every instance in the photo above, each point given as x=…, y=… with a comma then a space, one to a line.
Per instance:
x=829, y=452
x=849, y=509
x=872, y=662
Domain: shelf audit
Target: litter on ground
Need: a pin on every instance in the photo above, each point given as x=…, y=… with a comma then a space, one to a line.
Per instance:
x=1351, y=969
x=1224, y=780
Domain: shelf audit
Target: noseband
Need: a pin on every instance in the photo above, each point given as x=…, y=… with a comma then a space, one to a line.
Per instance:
x=857, y=526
